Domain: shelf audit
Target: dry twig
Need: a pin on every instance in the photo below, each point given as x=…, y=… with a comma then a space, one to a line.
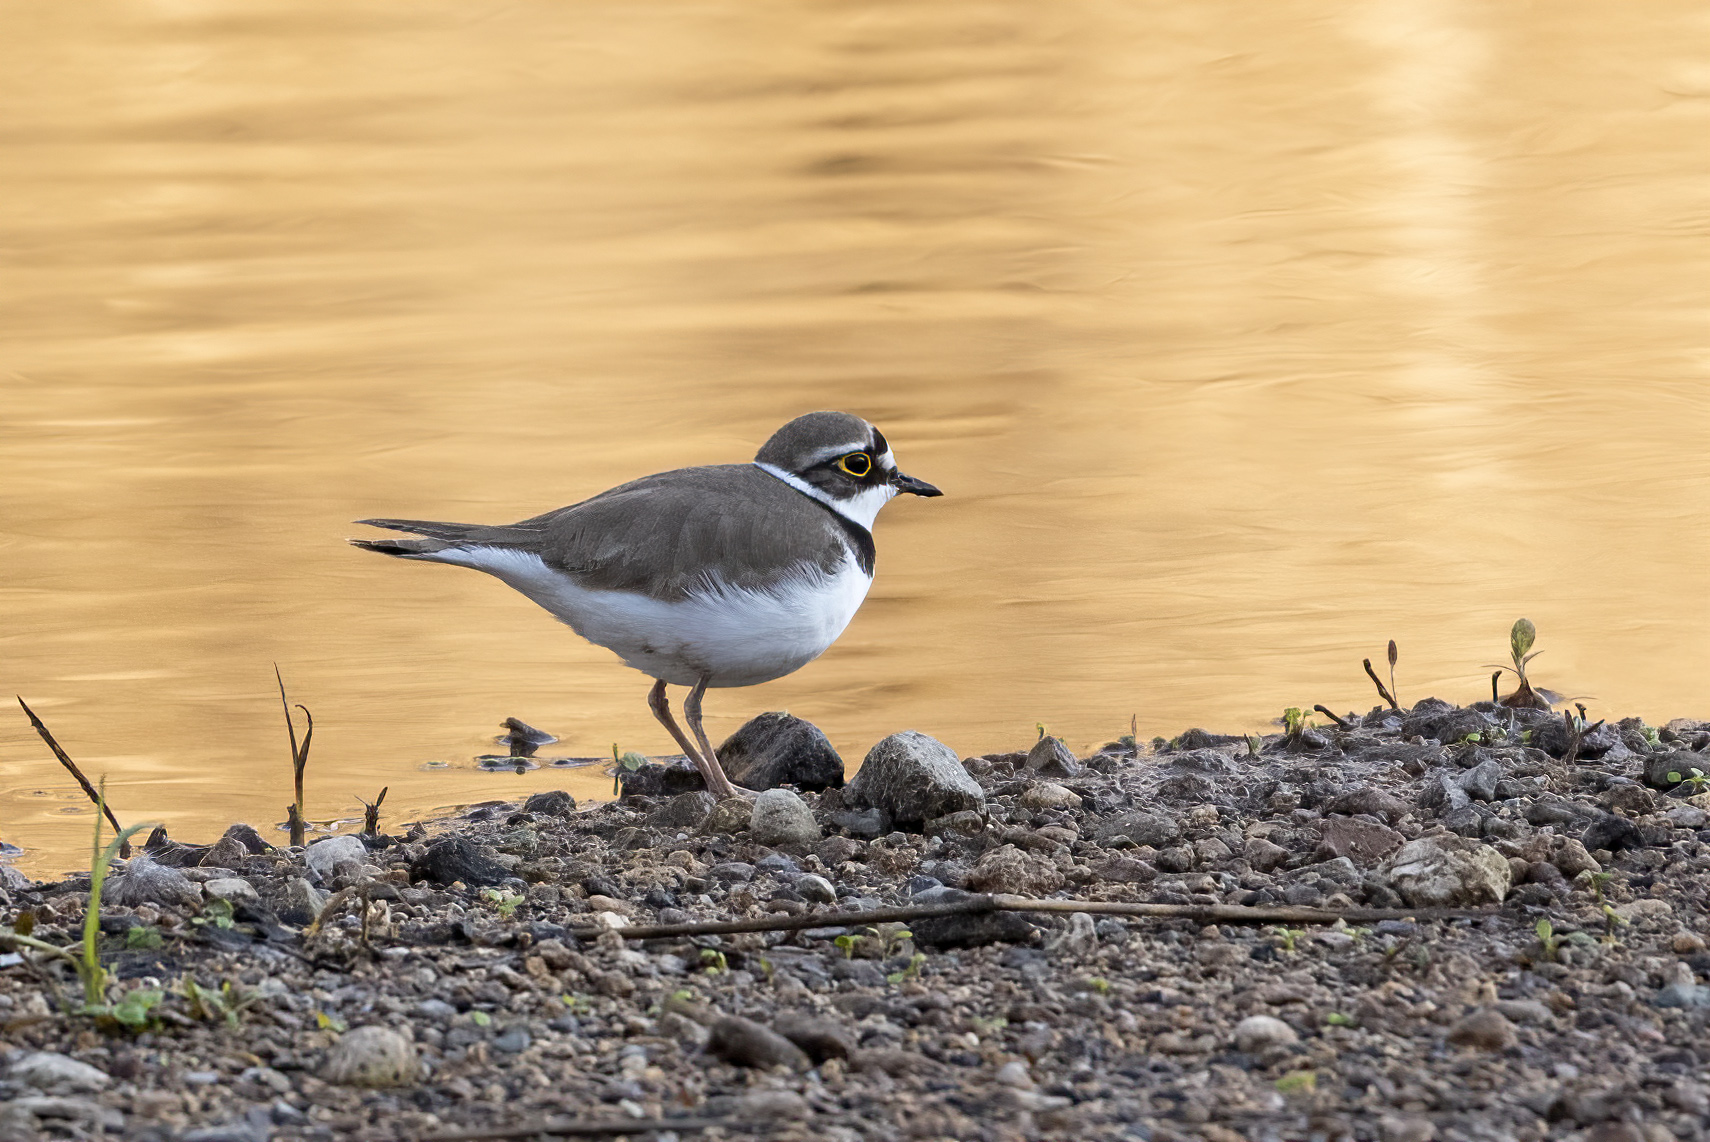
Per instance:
x=65, y=760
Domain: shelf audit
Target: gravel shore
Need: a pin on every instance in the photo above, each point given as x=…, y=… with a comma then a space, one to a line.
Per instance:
x=474, y=974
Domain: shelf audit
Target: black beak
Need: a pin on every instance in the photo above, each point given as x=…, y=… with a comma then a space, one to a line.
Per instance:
x=913, y=486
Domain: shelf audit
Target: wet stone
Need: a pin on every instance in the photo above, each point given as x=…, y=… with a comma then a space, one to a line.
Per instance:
x=451, y=859
x=777, y=749
x=552, y=803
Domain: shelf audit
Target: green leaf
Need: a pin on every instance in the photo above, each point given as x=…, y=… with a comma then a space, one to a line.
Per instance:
x=143, y=938
x=1521, y=638
x=329, y=1022
x=134, y=1007
x=1300, y=1082
x=481, y=1019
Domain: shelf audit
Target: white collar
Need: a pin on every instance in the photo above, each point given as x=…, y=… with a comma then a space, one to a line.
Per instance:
x=861, y=509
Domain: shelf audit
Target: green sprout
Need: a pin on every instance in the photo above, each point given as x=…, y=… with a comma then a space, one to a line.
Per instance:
x=1520, y=639
x=1611, y=921
x=1596, y=880
x=894, y=937
x=1547, y=938
x=227, y=1002
x=85, y=957
x=143, y=938
x=1298, y=1082
x=215, y=913
x=1099, y=984
x=1288, y=936
x=626, y=762
x=847, y=942
x=329, y=1023
x=912, y=971
x=504, y=901
x=480, y=1019
x=1254, y=744
x=713, y=961
x=1338, y=1019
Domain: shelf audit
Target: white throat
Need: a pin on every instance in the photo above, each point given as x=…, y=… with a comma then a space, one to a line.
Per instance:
x=862, y=508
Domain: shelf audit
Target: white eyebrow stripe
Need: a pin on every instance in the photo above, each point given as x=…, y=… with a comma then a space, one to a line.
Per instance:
x=831, y=452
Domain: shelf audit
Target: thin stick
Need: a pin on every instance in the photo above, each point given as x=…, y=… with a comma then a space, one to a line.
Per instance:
x=1331, y=716
x=999, y=902
x=585, y=1128
x=299, y=757
x=1376, y=681
x=371, y=813
x=65, y=760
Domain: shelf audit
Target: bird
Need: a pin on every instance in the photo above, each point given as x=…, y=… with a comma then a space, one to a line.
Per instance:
x=717, y=576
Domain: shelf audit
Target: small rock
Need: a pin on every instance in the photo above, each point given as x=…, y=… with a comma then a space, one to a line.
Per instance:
x=745, y=1043
x=552, y=803
x=1644, y=908
x=371, y=1057
x=815, y=889
x=1485, y=1029
x=1447, y=871
x=53, y=1073
x=1137, y=828
x=1371, y=800
x=1481, y=780
x=302, y=902
x=1360, y=841
x=821, y=1039
x=864, y=823
x=234, y=889
x=661, y=779
x=1693, y=996
x=1688, y=817
x=1257, y=1034
x=1612, y=833
x=227, y=852
x=1014, y=1074
x=1262, y=854
x=452, y=859
x=512, y=1041
x=1049, y=795
x=1049, y=757
x=913, y=778
x=1406, y=1128
x=1077, y=941
x=962, y=823
x=733, y=871
x=729, y=816
x=324, y=856
x=684, y=811
x=1008, y=869
x=779, y=817
x=145, y=882
x=772, y=1106
x=776, y=749
x=972, y=930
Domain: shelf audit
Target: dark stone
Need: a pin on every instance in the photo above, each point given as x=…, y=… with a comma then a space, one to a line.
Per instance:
x=1612, y=833
x=1185, y=787
x=1049, y=757
x=1433, y=718
x=1554, y=812
x=1481, y=780
x=1201, y=739
x=1666, y=770
x=819, y=1038
x=245, y=835
x=1370, y=800
x=864, y=973
x=972, y=930
x=745, y=1043
x=863, y=823
x=1443, y=793
x=552, y=803
x=684, y=811
x=778, y=749
x=451, y=859
x=661, y=779
x=1137, y=828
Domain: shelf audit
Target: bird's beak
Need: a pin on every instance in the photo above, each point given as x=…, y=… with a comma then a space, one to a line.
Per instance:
x=913, y=486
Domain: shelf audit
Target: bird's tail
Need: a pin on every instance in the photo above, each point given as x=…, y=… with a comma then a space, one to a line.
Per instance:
x=439, y=536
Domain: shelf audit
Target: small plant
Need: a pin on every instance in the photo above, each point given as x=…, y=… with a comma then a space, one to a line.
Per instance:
x=215, y=914
x=1298, y=1082
x=1525, y=697
x=1611, y=921
x=299, y=758
x=1338, y=1019
x=1595, y=881
x=628, y=761
x=713, y=961
x=579, y=1003
x=1099, y=984
x=1547, y=940
x=986, y=1028
x=1288, y=936
x=330, y=1023
x=480, y=1019
x=504, y=901
x=1254, y=745
x=847, y=943
x=212, y=1005
x=1387, y=695
x=143, y=938
x=85, y=957
x=894, y=937
x=912, y=971
x=371, y=813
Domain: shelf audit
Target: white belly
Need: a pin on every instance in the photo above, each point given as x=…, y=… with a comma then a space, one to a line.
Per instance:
x=736, y=637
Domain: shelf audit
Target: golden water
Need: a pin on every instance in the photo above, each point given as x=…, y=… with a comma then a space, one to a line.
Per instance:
x=1242, y=338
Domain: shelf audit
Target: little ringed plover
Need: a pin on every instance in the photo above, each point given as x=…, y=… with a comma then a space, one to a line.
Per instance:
x=728, y=575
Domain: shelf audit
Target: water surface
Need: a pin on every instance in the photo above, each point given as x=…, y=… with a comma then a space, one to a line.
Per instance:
x=1241, y=337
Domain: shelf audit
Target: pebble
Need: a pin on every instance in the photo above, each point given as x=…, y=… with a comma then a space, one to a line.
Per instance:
x=1014, y=1074
x=778, y=749
x=780, y=817
x=1048, y=795
x=1049, y=757
x=745, y=1043
x=1485, y=1030
x=145, y=882
x=1257, y=1034
x=815, y=889
x=53, y=1073
x=371, y=1057
x=1447, y=871
x=913, y=778
x=234, y=889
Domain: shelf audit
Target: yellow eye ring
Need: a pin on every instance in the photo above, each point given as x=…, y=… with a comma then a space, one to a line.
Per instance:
x=857, y=464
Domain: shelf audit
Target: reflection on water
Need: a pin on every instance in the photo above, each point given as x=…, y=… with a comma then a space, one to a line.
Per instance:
x=1242, y=338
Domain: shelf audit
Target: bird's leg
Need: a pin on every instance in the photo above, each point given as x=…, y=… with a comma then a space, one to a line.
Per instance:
x=708, y=765
x=717, y=783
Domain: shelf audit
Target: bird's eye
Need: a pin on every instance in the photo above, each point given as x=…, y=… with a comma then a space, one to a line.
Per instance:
x=857, y=464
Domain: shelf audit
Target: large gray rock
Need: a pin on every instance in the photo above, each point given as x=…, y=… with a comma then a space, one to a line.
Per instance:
x=1138, y=828
x=326, y=855
x=53, y=1073
x=1051, y=758
x=777, y=749
x=1445, y=871
x=145, y=882
x=913, y=778
x=781, y=818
